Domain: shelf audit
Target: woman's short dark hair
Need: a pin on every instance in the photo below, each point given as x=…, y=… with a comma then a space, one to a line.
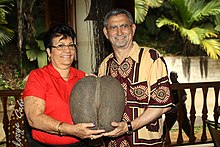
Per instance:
x=55, y=31
x=115, y=12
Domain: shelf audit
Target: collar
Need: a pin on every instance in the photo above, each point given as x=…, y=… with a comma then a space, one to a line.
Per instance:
x=56, y=74
x=134, y=53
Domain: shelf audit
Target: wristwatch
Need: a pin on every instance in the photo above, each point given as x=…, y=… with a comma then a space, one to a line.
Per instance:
x=130, y=129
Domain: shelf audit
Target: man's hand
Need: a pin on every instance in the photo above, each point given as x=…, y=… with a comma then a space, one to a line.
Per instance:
x=119, y=129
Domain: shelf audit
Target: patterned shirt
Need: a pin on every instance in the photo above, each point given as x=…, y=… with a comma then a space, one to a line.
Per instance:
x=143, y=75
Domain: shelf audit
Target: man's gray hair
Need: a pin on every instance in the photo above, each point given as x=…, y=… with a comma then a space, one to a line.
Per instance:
x=115, y=12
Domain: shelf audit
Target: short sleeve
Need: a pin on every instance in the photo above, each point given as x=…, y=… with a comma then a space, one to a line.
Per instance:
x=35, y=85
x=159, y=84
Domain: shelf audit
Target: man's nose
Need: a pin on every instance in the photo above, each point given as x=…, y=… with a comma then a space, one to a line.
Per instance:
x=119, y=30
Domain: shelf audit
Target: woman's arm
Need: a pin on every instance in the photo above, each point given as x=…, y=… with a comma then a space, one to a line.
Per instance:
x=34, y=109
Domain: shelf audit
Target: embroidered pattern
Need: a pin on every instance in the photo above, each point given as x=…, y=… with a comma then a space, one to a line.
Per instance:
x=124, y=143
x=112, y=143
x=161, y=94
x=125, y=87
x=113, y=69
x=125, y=117
x=126, y=67
x=139, y=92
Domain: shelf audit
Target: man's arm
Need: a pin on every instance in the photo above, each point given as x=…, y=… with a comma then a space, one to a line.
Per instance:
x=148, y=116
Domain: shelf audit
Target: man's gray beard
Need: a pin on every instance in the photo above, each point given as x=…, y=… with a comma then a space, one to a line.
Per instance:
x=120, y=44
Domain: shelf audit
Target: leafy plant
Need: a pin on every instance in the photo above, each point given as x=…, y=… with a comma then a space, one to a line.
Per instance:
x=217, y=22
x=37, y=53
x=6, y=34
x=142, y=6
x=193, y=20
x=10, y=77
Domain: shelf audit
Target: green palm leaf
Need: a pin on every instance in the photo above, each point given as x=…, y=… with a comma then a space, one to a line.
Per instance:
x=155, y=3
x=141, y=9
x=195, y=35
x=191, y=35
x=142, y=6
x=5, y=35
x=217, y=22
x=37, y=53
x=204, y=10
x=165, y=21
x=180, y=12
x=212, y=47
x=188, y=17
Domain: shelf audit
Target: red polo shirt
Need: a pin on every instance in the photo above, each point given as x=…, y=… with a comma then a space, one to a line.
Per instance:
x=47, y=84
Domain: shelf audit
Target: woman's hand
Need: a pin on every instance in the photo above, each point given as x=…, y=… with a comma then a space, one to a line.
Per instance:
x=84, y=130
x=91, y=74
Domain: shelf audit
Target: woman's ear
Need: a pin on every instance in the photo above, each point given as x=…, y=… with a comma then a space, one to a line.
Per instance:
x=48, y=53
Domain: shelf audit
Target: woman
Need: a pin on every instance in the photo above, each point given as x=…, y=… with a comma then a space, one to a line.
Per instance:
x=47, y=93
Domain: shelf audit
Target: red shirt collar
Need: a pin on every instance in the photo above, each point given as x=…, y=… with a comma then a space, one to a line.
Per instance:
x=56, y=74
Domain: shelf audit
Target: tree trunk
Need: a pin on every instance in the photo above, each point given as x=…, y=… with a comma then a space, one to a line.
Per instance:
x=20, y=32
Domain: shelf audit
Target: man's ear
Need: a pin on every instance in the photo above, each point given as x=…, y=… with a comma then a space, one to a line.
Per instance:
x=133, y=26
x=105, y=32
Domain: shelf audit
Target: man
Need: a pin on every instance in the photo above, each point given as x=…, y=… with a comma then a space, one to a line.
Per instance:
x=171, y=116
x=143, y=75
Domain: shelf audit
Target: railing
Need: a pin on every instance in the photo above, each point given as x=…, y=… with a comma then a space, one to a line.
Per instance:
x=5, y=94
x=192, y=87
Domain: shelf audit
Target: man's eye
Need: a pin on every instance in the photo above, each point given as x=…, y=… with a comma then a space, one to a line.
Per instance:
x=124, y=26
x=113, y=27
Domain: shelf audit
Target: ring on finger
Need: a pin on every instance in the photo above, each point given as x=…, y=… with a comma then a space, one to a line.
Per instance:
x=91, y=137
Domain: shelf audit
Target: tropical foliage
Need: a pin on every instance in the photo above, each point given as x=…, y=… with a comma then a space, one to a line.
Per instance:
x=25, y=52
x=217, y=22
x=37, y=52
x=6, y=34
x=142, y=6
x=34, y=12
x=197, y=22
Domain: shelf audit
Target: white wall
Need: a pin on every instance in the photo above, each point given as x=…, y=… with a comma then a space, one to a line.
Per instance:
x=84, y=30
x=200, y=69
x=196, y=73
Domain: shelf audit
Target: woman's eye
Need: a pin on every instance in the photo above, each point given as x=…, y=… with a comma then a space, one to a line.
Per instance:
x=61, y=46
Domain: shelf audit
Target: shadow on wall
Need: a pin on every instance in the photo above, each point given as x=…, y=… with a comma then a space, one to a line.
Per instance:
x=204, y=66
x=186, y=64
